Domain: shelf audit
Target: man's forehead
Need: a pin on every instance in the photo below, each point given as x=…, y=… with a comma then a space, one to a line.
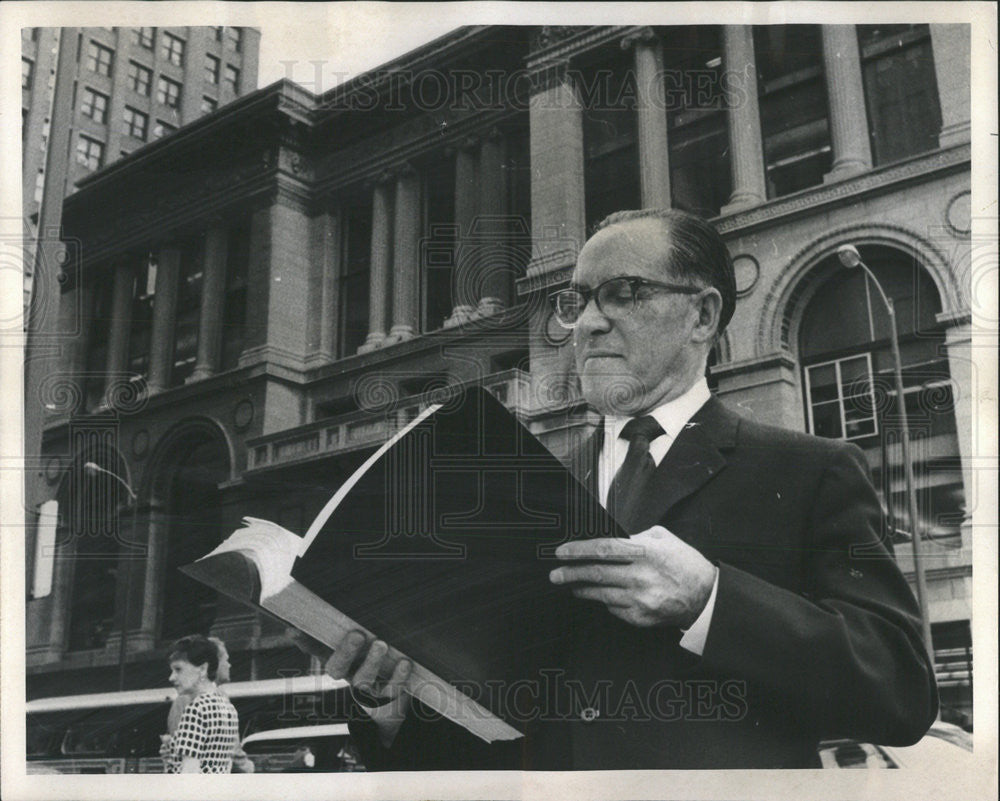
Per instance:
x=633, y=247
x=179, y=663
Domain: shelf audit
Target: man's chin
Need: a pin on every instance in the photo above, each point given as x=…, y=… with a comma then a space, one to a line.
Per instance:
x=619, y=396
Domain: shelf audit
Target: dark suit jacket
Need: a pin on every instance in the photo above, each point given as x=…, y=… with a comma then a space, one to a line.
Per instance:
x=815, y=633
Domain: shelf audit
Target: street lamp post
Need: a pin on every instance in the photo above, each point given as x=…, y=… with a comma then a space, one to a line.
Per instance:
x=850, y=258
x=93, y=468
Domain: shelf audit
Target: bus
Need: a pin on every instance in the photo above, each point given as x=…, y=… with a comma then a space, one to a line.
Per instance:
x=120, y=732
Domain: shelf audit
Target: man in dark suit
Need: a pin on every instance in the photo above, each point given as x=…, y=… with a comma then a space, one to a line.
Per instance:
x=753, y=610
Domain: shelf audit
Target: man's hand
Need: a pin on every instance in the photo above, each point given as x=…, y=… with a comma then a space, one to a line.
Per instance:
x=369, y=668
x=653, y=578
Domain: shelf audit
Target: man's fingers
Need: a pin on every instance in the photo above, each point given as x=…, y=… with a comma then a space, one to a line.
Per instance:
x=613, y=575
x=397, y=682
x=339, y=665
x=610, y=596
x=604, y=549
x=366, y=676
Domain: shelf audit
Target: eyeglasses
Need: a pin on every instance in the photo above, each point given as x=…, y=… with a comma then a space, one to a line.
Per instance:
x=615, y=298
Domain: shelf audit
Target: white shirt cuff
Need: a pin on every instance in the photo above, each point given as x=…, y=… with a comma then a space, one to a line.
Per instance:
x=694, y=637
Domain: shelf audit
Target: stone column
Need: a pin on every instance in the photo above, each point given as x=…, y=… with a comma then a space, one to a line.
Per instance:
x=746, y=150
x=951, y=65
x=121, y=322
x=161, y=346
x=381, y=260
x=464, y=298
x=330, y=226
x=558, y=221
x=494, y=273
x=213, y=304
x=405, y=257
x=152, y=587
x=651, y=116
x=852, y=152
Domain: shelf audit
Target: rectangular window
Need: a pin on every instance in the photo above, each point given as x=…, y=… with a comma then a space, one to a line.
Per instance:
x=94, y=105
x=173, y=49
x=39, y=185
x=211, y=69
x=161, y=129
x=143, y=37
x=208, y=104
x=31, y=34
x=438, y=256
x=234, y=314
x=89, y=152
x=188, y=311
x=697, y=136
x=168, y=92
x=136, y=123
x=234, y=36
x=99, y=58
x=842, y=398
x=140, y=79
x=904, y=114
x=232, y=78
x=793, y=107
x=356, y=263
x=219, y=29
x=27, y=72
x=142, y=316
x=611, y=155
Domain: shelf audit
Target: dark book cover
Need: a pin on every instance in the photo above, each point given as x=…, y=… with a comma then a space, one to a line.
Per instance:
x=443, y=549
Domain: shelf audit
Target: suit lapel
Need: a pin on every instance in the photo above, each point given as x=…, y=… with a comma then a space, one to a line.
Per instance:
x=695, y=457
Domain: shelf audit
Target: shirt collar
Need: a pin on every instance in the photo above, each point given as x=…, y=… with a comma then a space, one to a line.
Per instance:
x=672, y=415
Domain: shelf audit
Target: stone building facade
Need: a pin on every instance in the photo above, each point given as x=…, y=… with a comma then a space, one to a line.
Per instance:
x=261, y=298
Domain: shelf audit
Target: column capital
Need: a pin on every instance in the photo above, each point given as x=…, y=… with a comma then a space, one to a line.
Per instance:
x=643, y=35
x=549, y=74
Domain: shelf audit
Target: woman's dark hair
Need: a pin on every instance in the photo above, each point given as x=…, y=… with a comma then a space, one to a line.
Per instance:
x=197, y=650
x=696, y=252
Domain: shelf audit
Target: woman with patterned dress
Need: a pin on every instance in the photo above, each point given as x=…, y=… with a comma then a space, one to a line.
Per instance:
x=207, y=734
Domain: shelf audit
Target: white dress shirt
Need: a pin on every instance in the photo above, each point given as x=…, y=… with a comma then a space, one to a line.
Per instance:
x=672, y=416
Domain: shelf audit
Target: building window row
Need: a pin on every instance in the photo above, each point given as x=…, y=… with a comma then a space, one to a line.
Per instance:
x=892, y=113
x=212, y=67
x=232, y=78
x=161, y=129
x=208, y=104
x=204, y=278
x=27, y=72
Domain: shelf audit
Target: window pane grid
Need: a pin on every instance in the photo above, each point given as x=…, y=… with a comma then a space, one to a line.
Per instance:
x=843, y=408
x=173, y=49
x=168, y=92
x=94, y=105
x=139, y=78
x=99, y=58
x=89, y=152
x=136, y=123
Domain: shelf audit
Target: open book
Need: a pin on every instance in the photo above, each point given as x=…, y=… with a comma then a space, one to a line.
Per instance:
x=440, y=544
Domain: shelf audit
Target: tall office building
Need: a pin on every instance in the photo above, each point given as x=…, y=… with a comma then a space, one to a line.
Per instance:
x=92, y=95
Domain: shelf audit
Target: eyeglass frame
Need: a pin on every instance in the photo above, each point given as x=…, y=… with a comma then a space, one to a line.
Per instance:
x=634, y=282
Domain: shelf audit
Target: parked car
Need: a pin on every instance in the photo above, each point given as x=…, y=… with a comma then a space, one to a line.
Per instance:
x=303, y=749
x=945, y=744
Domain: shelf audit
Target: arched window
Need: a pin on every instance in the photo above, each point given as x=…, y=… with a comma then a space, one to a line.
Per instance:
x=194, y=528
x=849, y=386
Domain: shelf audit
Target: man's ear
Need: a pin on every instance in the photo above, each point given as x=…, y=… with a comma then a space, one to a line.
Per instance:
x=709, y=306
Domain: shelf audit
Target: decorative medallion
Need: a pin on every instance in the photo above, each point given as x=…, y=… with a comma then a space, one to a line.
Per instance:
x=747, y=272
x=243, y=414
x=958, y=215
x=140, y=443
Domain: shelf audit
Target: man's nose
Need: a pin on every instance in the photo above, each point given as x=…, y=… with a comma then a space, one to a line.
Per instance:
x=591, y=320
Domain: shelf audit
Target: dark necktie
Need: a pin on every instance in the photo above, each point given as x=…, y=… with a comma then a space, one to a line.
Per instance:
x=625, y=492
